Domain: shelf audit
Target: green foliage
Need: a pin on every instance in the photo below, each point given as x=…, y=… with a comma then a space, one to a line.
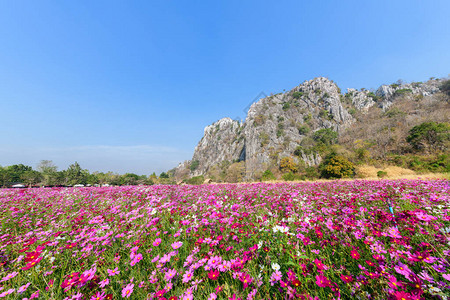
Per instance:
x=429, y=136
x=267, y=175
x=75, y=174
x=303, y=130
x=374, y=97
x=129, y=179
x=325, y=114
x=16, y=171
x=352, y=111
x=264, y=138
x=297, y=95
x=307, y=117
x=196, y=180
x=311, y=172
x=31, y=177
x=164, y=175
x=194, y=165
x=395, y=111
x=401, y=92
x=445, y=87
x=325, y=136
x=381, y=174
x=280, y=132
x=287, y=164
x=336, y=166
x=291, y=176
x=286, y=106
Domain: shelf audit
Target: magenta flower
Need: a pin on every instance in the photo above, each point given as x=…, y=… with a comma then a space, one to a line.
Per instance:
x=177, y=245
x=6, y=293
x=402, y=269
x=113, y=272
x=127, y=291
x=246, y=280
x=9, y=276
x=103, y=283
x=98, y=296
x=213, y=275
x=322, y=281
x=187, y=277
x=157, y=242
x=170, y=274
x=23, y=288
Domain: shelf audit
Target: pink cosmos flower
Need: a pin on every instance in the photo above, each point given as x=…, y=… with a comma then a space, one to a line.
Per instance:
x=322, y=281
x=127, y=291
x=9, y=276
x=213, y=275
x=98, y=296
x=160, y=293
x=212, y=296
x=170, y=274
x=177, y=245
x=355, y=254
x=23, y=288
x=402, y=269
x=246, y=280
x=187, y=277
x=113, y=272
x=103, y=283
x=6, y=293
x=157, y=242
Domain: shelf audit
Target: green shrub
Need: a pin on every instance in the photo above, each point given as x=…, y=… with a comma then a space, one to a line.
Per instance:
x=267, y=175
x=287, y=164
x=381, y=174
x=401, y=92
x=325, y=114
x=307, y=117
x=264, y=138
x=303, y=130
x=286, y=106
x=429, y=136
x=336, y=166
x=395, y=111
x=445, y=87
x=196, y=180
x=280, y=132
x=291, y=176
x=194, y=165
x=311, y=173
x=325, y=136
x=297, y=95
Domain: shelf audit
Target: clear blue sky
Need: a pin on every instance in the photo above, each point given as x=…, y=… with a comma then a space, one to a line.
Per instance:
x=128, y=86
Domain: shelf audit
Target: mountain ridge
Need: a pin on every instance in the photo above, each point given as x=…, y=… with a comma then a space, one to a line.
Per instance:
x=276, y=125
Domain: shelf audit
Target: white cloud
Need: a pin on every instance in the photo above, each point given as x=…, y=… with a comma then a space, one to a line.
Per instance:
x=140, y=159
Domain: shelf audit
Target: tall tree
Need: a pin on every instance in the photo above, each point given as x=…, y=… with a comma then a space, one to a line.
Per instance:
x=49, y=172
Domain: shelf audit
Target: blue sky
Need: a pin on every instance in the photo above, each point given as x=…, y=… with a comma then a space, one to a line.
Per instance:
x=129, y=86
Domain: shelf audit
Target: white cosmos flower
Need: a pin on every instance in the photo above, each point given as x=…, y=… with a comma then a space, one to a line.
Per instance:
x=275, y=266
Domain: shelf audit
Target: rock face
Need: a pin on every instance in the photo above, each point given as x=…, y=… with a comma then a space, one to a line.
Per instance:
x=222, y=141
x=276, y=125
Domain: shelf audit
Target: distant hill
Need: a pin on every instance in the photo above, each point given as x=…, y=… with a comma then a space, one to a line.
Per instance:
x=305, y=124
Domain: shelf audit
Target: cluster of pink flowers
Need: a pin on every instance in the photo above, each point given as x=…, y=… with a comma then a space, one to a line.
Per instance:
x=247, y=241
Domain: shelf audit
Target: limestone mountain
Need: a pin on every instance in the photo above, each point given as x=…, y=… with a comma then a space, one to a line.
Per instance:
x=280, y=125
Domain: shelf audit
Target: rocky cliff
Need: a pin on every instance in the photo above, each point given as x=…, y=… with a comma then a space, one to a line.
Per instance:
x=276, y=125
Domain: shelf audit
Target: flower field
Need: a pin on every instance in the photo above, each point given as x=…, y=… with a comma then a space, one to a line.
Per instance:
x=321, y=240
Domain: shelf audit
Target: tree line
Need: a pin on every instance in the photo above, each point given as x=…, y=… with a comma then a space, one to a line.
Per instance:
x=47, y=174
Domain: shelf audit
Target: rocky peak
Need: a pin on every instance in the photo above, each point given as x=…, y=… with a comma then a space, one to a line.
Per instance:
x=276, y=125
